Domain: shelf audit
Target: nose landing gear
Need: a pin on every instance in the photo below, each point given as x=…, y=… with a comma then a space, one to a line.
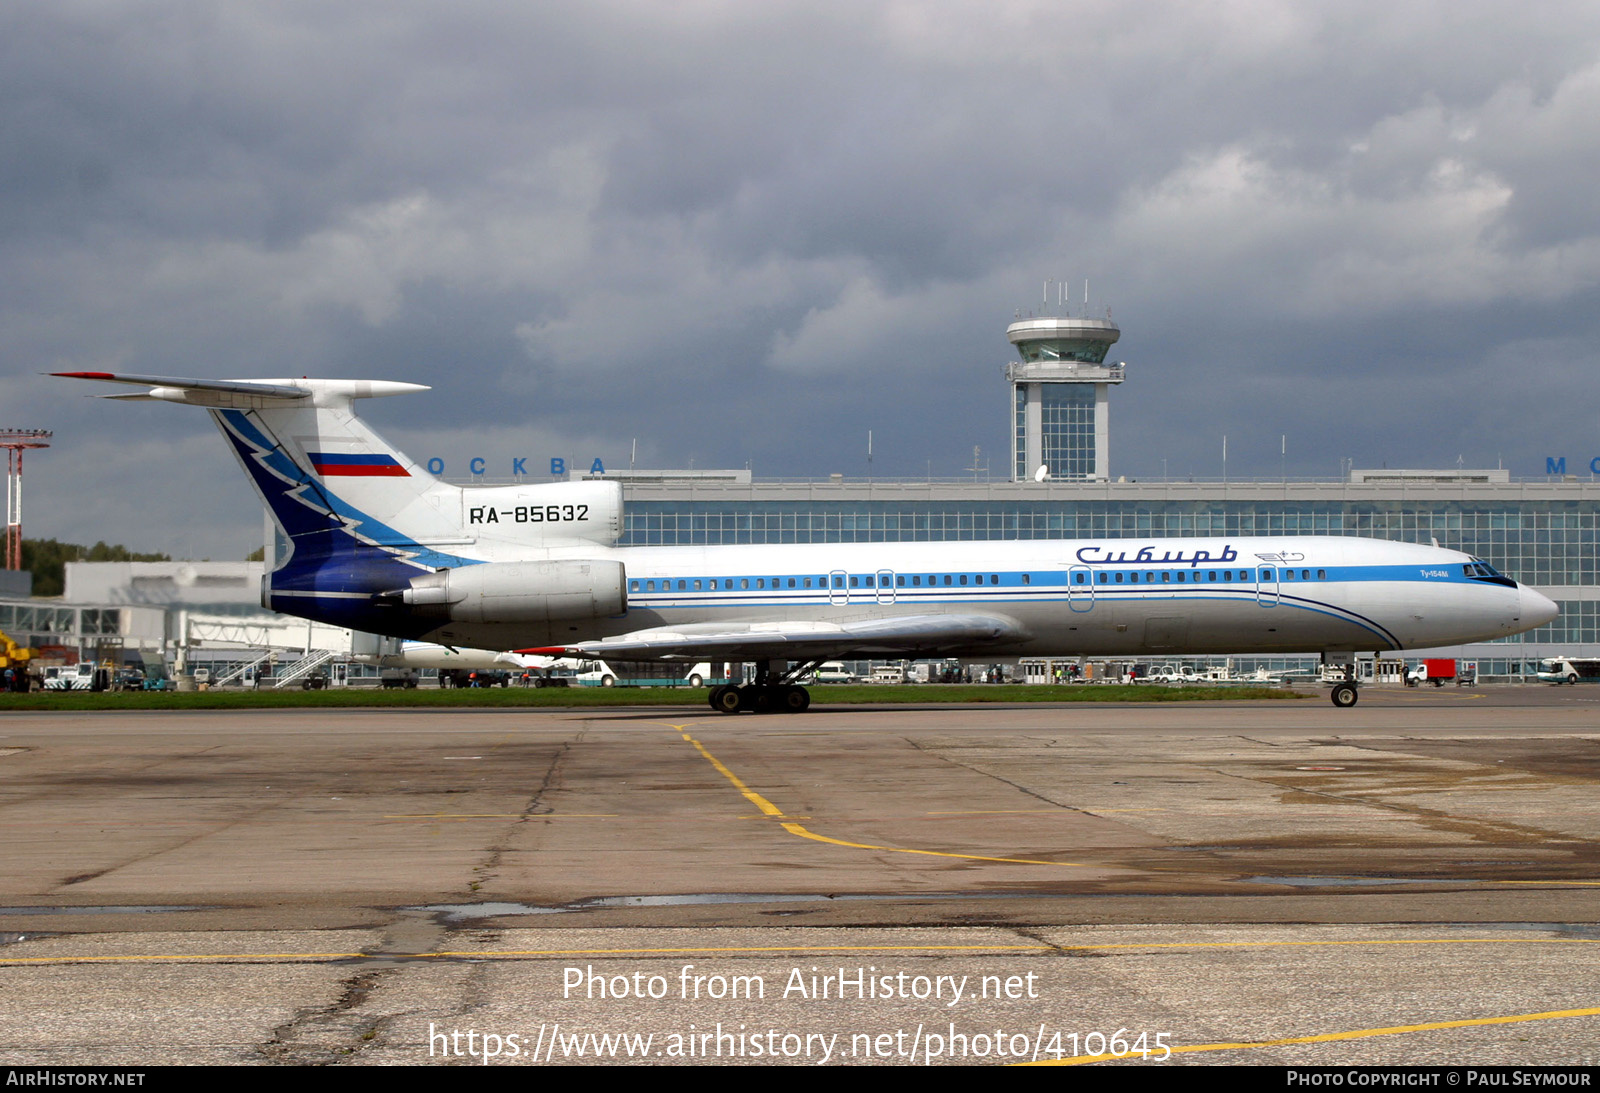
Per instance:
x=1344, y=693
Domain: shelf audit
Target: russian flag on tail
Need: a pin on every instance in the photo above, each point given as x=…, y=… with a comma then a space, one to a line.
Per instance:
x=336, y=464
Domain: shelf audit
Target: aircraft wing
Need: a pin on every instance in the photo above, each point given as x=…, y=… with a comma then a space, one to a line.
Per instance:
x=905, y=635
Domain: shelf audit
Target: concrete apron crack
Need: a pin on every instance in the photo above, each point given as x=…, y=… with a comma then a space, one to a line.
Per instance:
x=334, y=1033
x=489, y=868
x=339, y=1031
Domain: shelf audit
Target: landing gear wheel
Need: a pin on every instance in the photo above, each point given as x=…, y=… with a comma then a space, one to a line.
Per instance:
x=756, y=699
x=727, y=699
x=795, y=700
x=1344, y=695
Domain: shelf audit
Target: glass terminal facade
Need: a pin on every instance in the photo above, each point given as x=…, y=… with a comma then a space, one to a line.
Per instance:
x=44, y=623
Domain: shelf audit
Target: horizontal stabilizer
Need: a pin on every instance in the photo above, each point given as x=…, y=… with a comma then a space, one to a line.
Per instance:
x=254, y=394
x=231, y=387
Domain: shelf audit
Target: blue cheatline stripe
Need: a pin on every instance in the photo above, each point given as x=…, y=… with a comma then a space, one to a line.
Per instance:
x=1047, y=578
x=1043, y=584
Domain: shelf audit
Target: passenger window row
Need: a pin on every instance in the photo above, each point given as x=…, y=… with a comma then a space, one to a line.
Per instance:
x=958, y=580
x=713, y=584
x=1184, y=576
x=870, y=580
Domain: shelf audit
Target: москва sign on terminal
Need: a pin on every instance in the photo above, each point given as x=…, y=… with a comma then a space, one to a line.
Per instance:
x=1559, y=465
x=479, y=465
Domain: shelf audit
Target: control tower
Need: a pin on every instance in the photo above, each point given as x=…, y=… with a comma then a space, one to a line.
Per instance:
x=1060, y=412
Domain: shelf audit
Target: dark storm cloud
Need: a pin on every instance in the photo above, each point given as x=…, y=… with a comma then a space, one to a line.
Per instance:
x=746, y=233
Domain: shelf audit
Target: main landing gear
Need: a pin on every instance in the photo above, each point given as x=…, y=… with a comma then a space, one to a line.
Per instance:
x=772, y=692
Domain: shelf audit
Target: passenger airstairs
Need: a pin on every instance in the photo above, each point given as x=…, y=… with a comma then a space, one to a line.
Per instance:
x=303, y=667
x=243, y=670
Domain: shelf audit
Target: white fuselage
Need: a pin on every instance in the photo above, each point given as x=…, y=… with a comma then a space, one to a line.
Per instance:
x=1068, y=597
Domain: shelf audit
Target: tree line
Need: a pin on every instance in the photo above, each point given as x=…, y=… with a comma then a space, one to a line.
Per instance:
x=46, y=559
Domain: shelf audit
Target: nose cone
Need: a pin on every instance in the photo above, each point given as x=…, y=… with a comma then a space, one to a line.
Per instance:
x=1537, y=609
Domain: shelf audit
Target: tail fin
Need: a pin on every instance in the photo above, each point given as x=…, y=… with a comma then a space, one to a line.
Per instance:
x=320, y=468
x=359, y=519
x=316, y=465
x=376, y=530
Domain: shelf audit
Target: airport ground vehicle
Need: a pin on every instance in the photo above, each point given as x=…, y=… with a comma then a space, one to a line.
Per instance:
x=1433, y=670
x=1569, y=670
x=596, y=674
x=474, y=677
x=16, y=663
x=13, y=654
x=373, y=542
x=706, y=673
x=395, y=679
x=83, y=676
x=631, y=674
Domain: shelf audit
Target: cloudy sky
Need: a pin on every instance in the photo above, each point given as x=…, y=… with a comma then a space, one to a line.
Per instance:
x=744, y=234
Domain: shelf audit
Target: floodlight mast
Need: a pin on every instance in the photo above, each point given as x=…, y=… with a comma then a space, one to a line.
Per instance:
x=15, y=442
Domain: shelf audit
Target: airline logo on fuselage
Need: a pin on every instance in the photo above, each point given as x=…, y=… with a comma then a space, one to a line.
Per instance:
x=336, y=465
x=1094, y=555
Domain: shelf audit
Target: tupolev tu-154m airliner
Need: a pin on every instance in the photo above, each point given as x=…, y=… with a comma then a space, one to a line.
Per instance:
x=375, y=543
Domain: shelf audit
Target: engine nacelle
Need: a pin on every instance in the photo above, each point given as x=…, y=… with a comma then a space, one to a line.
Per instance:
x=520, y=592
